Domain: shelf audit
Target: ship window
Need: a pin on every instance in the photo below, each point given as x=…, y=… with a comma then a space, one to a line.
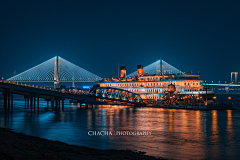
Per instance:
x=193, y=83
x=188, y=83
x=184, y=83
x=196, y=83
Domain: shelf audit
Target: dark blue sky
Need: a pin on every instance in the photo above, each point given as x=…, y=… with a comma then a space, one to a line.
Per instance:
x=95, y=35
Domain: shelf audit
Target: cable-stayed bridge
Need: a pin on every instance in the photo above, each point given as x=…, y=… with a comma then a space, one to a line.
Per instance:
x=55, y=70
x=160, y=67
x=58, y=70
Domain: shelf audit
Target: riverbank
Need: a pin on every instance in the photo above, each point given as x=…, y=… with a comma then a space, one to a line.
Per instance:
x=19, y=146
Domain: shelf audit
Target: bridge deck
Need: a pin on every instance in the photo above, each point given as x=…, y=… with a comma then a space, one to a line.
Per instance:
x=52, y=95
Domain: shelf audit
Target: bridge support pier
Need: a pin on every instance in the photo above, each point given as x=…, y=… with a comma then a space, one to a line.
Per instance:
x=52, y=103
x=5, y=99
x=34, y=103
x=11, y=100
x=63, y=104
x=47, y=103
x=31, y=102
x=27, y=102
x=8, y=93
x=38, y=103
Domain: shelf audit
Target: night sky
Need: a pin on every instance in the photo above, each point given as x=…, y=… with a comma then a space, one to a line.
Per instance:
x=95, y=35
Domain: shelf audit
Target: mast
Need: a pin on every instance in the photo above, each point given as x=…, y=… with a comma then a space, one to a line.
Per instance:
x=161, y=67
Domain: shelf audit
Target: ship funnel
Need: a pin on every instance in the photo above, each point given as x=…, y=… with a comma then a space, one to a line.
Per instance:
x=123, y=71
x=140, y=70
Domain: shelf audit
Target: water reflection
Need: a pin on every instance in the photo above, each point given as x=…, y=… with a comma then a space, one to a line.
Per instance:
x=229, y=122
x=170, y=119
x=183, y=134
x=214, y=127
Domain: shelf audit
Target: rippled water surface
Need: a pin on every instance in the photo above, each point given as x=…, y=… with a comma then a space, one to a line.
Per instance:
x=177, y=134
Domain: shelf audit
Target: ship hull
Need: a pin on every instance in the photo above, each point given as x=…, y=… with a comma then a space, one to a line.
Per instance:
x=193, y=107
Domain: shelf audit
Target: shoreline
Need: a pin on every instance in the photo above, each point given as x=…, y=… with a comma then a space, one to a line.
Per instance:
x=20, y=146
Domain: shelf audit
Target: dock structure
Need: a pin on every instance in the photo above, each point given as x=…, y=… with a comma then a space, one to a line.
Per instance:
x=32, y=94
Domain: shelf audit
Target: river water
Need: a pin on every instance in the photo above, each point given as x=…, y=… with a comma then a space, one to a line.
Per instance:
x=175, y=133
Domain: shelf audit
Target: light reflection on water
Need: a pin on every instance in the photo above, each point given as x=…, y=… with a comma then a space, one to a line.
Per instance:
x=180, y=134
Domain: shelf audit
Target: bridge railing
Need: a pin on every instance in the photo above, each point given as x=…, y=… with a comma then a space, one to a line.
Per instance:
x=119, y=94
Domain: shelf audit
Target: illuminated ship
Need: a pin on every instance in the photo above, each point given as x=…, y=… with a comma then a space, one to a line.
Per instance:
x=151, y=82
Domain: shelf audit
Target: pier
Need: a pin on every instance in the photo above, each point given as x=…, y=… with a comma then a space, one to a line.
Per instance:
x=56, y=97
